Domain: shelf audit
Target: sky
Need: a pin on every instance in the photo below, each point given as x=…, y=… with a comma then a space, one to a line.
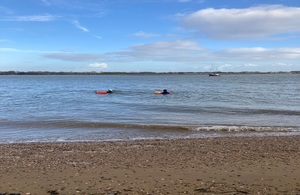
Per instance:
x=150, y=35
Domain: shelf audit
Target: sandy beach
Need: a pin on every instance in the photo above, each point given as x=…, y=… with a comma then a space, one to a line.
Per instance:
x=239, y=165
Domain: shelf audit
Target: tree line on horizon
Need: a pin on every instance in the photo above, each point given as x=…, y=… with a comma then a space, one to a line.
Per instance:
x=112, y=73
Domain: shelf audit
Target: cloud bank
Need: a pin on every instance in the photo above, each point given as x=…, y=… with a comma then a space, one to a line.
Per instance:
x=190, y=51
x=142, y=34
x=253, y=22
x=98, y=65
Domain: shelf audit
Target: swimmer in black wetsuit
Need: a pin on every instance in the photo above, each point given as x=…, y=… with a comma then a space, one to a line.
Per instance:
x=109, y=91
x=165, y=92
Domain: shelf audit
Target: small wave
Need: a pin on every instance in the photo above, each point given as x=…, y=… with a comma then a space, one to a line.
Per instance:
x=162, y=127
x=221, y=128
x=58, y=124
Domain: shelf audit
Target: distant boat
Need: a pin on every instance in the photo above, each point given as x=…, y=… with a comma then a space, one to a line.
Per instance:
x=213, y=73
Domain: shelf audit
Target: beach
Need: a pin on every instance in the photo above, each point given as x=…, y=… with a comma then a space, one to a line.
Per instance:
x=232, y=165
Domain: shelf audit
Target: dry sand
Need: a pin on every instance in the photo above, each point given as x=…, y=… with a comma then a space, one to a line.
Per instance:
x=248, y=165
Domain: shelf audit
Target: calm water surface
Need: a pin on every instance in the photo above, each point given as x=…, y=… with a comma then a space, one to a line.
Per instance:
x=66, y=108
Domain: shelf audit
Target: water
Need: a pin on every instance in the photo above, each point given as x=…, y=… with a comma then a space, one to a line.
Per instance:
x=43, y=108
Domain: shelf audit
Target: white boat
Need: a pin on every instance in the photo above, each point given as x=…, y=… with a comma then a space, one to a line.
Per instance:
x=213, y=73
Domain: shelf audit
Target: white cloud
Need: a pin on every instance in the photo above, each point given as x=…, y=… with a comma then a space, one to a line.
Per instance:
x=15, y=50
x=261, y=54
x=183, y=52
x=224, y=67
x=180, y=50
x=281, y=65
x=79, y=26
x=189, y=51
x=142, y=34
x=253, y=22
x=250, y=65
x=98, y=65
x=9, y=49
x=98, y=37
x=34, y=18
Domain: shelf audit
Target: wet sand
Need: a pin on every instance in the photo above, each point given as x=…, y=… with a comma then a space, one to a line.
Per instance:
x=248, y=165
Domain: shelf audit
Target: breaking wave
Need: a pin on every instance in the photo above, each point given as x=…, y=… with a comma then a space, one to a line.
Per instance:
x=99, y=125
x=221, y=128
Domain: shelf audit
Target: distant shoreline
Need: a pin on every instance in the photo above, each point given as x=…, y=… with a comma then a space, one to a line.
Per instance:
x=137, y=73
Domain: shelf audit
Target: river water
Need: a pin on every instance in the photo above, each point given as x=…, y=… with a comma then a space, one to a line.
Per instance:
x=54, y=108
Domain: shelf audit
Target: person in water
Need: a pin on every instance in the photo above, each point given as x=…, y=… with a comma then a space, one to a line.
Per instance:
x=109, y=91
x=164, y=92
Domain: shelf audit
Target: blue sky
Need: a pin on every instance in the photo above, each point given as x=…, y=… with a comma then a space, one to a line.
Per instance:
x=149, y=35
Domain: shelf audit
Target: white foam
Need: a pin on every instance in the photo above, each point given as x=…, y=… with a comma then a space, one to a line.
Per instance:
x=223, y=128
